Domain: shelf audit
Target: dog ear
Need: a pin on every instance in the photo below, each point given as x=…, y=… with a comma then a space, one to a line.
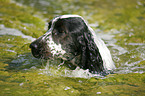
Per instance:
x=90, y=56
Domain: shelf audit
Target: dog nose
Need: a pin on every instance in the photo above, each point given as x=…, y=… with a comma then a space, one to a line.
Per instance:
x=33, y=46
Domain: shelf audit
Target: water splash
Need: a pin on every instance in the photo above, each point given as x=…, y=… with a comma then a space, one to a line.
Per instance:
x=52, y=70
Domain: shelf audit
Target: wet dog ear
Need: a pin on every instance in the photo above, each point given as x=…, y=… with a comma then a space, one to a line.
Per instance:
x=90, y=55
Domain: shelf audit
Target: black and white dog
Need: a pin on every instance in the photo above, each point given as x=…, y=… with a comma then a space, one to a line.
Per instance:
x=69, y=36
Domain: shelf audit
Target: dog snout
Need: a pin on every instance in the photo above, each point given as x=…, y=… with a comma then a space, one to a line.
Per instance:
x=40, y=49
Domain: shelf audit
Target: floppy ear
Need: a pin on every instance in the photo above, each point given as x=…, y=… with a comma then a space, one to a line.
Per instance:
x=90, y=56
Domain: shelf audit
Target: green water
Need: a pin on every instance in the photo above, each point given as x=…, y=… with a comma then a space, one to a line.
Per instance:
x=120, y=23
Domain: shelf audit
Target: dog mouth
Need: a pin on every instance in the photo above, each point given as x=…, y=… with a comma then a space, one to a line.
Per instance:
x=42, y=54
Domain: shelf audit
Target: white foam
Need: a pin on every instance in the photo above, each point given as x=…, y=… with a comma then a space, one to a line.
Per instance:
x=66, y=72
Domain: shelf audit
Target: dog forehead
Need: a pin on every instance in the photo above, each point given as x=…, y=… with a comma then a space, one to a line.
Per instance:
x=65, y=17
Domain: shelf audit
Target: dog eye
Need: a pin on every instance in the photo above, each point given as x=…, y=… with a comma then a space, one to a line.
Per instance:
x=62, y=31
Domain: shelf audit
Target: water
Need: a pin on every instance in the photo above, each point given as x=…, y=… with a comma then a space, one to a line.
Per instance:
x=10, y=31
x=118, y=23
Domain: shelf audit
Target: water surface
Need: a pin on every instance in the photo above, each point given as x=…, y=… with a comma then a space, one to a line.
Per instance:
x=120, y=23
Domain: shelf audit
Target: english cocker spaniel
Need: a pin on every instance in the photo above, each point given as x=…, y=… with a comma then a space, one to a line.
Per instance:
x=69, y=36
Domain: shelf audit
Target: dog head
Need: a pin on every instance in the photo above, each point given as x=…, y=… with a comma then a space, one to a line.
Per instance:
x=62, y=36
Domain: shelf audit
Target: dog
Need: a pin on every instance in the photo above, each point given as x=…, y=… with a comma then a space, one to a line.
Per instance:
x=70, y=37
